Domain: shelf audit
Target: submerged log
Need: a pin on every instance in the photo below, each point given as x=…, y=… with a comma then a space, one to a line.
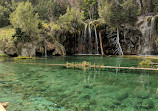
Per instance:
x=87, y=66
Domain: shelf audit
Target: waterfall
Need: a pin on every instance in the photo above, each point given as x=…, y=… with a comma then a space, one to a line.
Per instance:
x=86, y=41
x=152, y=25
x=85, y=32
x=118, y=46
x=96, y=39
x=90, y=41
x=80, y=42
x=148, y=32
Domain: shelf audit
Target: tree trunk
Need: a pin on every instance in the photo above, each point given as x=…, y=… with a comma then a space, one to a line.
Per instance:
x=101, y=46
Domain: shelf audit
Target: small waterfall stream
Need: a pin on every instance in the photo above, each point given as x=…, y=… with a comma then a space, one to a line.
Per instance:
x=90, y=39
x=118, y=46
x=85, y=32
x=86, y=41
x=96, y=39
x=152, y=26
x=149, y=30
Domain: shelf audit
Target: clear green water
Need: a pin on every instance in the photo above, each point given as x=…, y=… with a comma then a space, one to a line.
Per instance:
x=54, y=88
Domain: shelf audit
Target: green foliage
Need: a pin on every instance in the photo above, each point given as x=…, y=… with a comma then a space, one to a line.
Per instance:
x=25, y=18
x=90, y=9
x=48, y=9
x=116, y=14
x=111, y=13
x=4, y=15
x=21, y=36
x=6, y=40
x=71, y=20
x=23, y=57
x=155, y=5
x=130, y=11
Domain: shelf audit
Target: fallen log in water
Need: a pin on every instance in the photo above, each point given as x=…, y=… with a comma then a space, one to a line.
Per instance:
x=88, y=66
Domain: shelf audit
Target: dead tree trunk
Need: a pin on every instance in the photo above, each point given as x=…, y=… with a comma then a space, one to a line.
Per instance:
x=101, y=45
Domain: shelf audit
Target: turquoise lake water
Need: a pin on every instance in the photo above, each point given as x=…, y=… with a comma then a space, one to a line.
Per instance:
x=55, y=88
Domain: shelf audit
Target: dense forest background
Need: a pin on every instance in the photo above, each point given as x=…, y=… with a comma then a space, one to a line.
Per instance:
x=58, y=27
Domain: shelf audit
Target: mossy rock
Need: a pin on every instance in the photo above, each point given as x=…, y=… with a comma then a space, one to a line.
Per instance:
x=147, y=104
x=142, y=94
x=149, y=21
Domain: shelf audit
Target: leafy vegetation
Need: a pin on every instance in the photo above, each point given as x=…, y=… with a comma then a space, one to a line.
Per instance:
x=25, y=19
x=49, y=21
x=145, y=63
x=6, y=39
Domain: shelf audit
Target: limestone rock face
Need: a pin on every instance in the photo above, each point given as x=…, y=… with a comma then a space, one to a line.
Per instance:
x=28, y=50
x=148, y=41
x=56, y=49
x=11, y=51
x=1, y=51
x=141, y=38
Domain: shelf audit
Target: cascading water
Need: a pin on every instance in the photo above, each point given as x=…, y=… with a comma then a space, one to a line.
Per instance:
x=85, y=32
x=149, y=30
x=118, y=46
x=80, y=42
x=83, y=40
x=89, y=41
x=152, y=26
x=96, y=39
